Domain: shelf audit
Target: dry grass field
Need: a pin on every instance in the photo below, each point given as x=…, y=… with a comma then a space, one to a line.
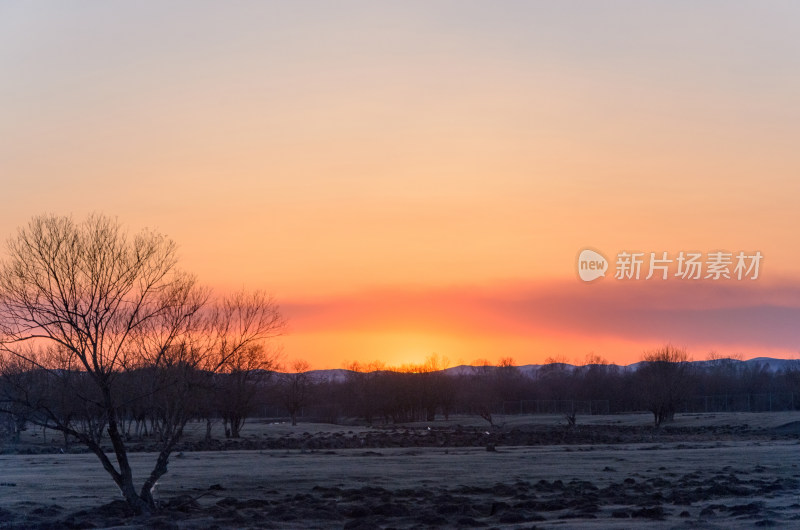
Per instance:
x=702, y=471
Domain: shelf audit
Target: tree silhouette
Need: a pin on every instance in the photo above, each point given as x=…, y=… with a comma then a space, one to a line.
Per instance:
x=85, y=307
x=663, y=378
x=297, y=388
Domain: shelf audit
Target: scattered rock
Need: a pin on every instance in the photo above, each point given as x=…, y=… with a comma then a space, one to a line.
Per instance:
x=656, y=512
x=747, y=509
x=707, y=511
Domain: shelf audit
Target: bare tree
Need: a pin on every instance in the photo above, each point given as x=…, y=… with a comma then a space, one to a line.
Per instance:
x=239, y=356
x=239, y=384
x=85, y=303
x=443, y=386
x=425, y=384
x=364, y=388
x=483, y=389
x=663, y=378
x=297, y=388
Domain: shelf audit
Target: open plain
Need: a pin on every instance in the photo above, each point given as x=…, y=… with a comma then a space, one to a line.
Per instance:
x=701, y=471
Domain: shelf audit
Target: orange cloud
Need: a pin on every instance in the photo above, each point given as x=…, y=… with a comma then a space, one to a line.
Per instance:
x=535, y=320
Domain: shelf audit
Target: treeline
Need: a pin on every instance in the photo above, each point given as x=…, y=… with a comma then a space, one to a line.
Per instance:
x=149, y=401
x=664, y=383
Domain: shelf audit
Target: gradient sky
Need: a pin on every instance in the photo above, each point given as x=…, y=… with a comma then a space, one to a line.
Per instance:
x=412, y=178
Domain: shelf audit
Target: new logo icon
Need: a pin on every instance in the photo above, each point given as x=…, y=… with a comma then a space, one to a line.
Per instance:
x=591, y=265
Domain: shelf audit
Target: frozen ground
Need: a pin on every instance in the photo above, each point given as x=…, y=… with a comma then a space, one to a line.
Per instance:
x=711, y=472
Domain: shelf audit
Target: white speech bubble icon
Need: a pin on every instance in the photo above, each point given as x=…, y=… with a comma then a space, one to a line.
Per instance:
x=591, y=265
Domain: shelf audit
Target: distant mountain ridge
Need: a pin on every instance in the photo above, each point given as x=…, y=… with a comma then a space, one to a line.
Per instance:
x=771, y=364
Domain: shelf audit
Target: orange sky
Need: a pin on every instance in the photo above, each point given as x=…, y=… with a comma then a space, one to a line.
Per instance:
x=418, y=177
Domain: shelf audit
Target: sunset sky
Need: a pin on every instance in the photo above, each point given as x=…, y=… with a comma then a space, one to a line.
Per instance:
x=410, y=178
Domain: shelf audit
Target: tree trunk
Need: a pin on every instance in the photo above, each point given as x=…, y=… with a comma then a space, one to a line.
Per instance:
x=236, y=425
x=158, y=471
x=123, y=477
x=124, y=481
